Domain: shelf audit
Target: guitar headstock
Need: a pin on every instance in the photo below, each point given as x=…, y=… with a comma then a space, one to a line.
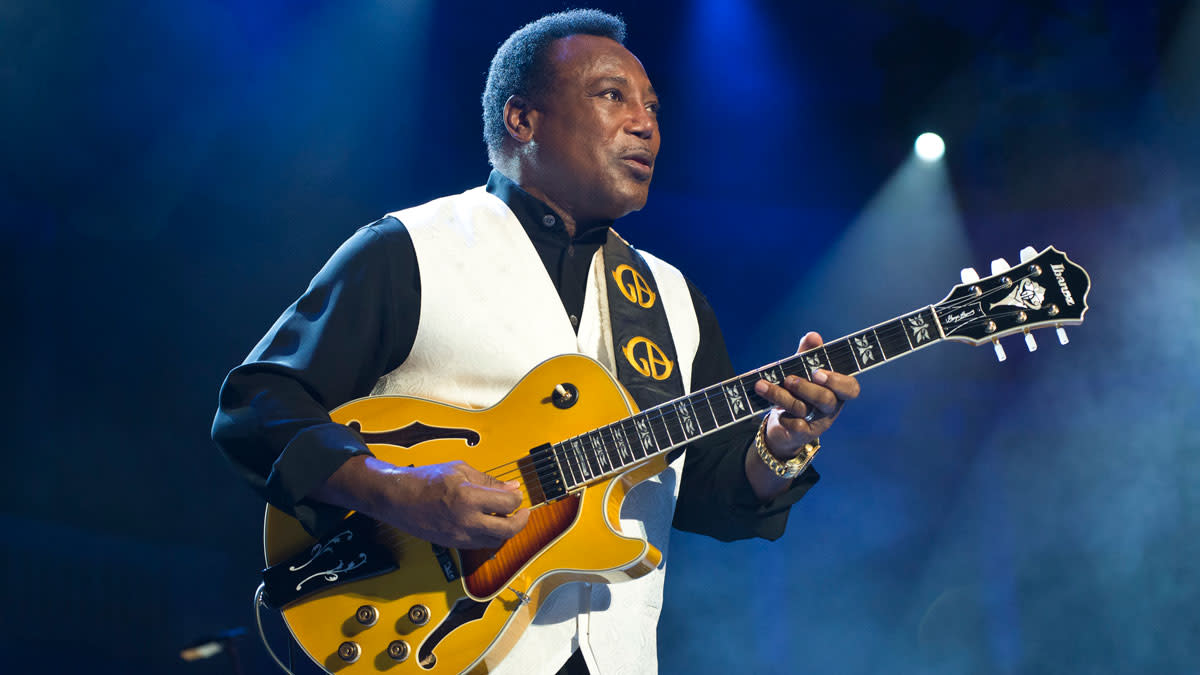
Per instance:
x=1045, y=290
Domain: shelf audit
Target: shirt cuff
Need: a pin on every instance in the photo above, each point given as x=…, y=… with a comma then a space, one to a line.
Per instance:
x=769, y=519
x=304, y=465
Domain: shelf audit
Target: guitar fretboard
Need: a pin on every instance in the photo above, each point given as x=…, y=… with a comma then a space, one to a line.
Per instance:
x=608, y=450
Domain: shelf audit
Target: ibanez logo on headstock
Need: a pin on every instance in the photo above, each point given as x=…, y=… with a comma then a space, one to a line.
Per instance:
x=1062, y=283
x=1046, y=289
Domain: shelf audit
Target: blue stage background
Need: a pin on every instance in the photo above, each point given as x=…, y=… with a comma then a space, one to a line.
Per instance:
x=175, y=172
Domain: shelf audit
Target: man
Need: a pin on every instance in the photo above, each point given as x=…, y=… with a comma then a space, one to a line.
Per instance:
x=449, y=301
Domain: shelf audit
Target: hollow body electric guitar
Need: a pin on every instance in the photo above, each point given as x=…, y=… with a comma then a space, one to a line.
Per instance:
x=368, y=598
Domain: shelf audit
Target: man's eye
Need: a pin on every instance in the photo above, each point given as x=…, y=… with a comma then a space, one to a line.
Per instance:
x=653, y=108
x=612, y=95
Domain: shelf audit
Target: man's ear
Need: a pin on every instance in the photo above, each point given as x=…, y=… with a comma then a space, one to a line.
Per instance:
x=519, y=118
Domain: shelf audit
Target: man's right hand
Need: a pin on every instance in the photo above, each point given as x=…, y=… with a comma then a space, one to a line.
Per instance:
x=450, y=504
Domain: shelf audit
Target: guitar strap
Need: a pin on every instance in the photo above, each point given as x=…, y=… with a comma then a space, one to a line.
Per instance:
x=644, y=350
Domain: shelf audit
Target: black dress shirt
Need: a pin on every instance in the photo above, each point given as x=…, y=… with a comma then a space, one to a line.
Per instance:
x=358, y=320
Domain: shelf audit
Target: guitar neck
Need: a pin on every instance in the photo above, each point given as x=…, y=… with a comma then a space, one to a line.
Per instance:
x=609, y=450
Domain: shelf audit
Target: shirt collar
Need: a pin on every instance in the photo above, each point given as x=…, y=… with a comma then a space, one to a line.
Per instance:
x=535, y=216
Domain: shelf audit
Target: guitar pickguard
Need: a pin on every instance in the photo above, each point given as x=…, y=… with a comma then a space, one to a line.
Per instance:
x=488, y=570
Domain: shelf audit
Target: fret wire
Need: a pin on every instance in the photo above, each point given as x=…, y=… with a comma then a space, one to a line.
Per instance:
x=632, y=443
x=709, y=394
x=756, y=402
x=655, y=424
x=843, y=355
x=891, y=346
x=643, y=432
x=626, y=424
x=672, y=422
x=591, y=441
x=579, y=448
x=602, y=457
x=573, y=460
x=724, y=406
x=697, y=417
x=584, y=457
x=593, y=453
x=853, y=354
x=742, y=401
x=905, y=331
x=572, y=477
x=663, y=419
x=591, y=450
x=563, y=469
x=686, y=414
x=697, y=403
x=573, y=457
x=615, y=458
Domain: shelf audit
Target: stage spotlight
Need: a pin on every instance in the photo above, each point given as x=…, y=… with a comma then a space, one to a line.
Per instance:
x=929, y=147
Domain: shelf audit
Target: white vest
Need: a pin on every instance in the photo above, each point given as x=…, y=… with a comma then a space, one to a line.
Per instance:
x=490, y=314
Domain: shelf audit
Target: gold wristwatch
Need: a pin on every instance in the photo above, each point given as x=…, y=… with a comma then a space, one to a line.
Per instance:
x=794, y=466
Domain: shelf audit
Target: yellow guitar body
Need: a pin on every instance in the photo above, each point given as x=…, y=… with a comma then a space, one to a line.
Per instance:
x=577, y=538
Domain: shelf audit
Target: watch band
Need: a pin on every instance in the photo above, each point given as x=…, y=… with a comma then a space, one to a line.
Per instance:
x=792, y=467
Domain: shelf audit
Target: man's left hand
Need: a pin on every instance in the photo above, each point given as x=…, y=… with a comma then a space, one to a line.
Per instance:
x=787, y=430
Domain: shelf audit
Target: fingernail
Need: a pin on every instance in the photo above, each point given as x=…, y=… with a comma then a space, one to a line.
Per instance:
x=819, y=376
x=760, y=387
x=512, y=484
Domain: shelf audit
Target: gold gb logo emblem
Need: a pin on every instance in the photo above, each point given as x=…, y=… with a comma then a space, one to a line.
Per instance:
x=633, y=286
x=647, y=358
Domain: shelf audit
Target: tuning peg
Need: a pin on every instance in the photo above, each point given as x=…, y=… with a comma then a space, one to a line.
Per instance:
x=1028, y=253
x=1030, y=342
x=1000, y=266
x=969, y=275
x=1062, y=336
x=1000, y=355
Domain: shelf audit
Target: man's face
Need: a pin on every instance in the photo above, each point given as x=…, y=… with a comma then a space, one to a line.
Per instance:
x=596, y=137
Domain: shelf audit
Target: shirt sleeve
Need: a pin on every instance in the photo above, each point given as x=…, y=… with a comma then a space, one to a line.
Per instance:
x=715, y=497
x=356, y=321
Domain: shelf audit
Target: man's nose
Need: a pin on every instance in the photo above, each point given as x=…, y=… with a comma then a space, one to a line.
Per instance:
x=641, y=123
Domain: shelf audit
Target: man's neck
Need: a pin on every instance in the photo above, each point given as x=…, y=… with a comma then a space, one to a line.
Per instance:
x=569, y=221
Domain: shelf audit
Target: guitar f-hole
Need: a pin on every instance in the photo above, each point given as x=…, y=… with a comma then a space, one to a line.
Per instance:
x=464, y=611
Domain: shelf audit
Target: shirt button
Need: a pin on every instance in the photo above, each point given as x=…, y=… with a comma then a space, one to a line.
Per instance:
x=548, y=220
x=574, y=321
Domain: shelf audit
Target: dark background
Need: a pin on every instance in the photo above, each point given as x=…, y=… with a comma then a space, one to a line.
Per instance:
x=175, y=172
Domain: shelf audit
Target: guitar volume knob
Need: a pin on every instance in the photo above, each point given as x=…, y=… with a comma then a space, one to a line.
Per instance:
x=349, y=651
x=419, y=615
x=367, y=615
x=398, y=650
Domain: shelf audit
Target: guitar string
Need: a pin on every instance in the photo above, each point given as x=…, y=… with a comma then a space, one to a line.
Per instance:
x=791, y=366
x=657, y=420
x=885, y=334
x=602, y=456
x=889, y=334
x=657, y=417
